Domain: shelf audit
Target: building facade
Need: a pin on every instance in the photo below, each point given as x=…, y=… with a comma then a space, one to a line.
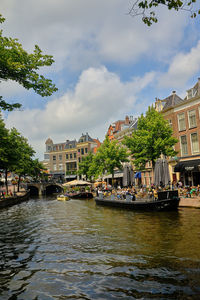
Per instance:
x=183, y=116
x=119, y=126
x=117, y=131
x=63, y=158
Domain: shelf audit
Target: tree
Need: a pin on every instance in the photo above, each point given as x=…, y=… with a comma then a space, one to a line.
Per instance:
x=143, y=8
x=4, y=139
x=84, y=167
x=36, y=170
x=24, y=152
x=15, y=153
x=152, y=138
x=110, y=155
x=18, y=65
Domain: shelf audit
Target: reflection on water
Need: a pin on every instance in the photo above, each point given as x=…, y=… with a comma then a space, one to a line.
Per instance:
x=74, y=250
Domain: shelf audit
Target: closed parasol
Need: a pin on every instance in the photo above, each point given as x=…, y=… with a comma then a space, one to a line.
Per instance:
x=161, y=172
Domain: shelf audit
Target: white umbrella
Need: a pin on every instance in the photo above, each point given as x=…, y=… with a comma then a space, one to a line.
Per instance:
x=76, y=183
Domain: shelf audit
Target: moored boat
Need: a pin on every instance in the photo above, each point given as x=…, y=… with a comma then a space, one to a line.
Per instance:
x=167, y=201
x=80, y=195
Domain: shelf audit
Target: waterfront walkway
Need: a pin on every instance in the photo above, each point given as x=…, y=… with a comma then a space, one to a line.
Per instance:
x=190, y=202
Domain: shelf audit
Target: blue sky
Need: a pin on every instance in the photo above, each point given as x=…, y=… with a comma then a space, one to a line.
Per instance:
x=107, y=64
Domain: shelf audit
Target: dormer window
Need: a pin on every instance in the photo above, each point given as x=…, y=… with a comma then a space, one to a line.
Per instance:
x=192, y=92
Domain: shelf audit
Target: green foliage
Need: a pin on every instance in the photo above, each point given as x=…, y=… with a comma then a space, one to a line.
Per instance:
x=4, y=137
x=85, y=166
x=143, y=8
x=152, y=138
x=18, y=65
x=16, y=155
x=109, y=156
x=36, y=169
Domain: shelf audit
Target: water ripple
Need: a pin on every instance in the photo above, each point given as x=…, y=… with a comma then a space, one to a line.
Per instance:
x=75, y=250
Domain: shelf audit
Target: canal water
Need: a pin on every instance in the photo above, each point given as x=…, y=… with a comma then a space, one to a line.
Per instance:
x=51, y=249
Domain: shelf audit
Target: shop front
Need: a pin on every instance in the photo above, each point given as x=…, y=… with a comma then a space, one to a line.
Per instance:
x=189, y=171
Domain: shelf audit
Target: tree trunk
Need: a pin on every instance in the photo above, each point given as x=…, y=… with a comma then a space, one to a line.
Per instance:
x=113, y=179
x=6, y=180
x=18, y=183
x=153, y=168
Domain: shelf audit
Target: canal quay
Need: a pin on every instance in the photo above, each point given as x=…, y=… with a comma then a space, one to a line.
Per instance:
x=76, y=250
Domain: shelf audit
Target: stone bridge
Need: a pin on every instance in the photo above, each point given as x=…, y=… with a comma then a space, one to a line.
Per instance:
x=44, y=188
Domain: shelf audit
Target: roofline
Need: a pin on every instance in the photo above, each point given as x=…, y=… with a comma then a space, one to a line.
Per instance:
x=182, y=103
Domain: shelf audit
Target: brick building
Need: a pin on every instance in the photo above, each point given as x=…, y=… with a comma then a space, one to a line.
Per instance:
x=119, y=126
x=183, y=116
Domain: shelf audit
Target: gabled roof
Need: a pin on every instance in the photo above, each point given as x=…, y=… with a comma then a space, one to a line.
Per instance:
x=49, y=141
x=171, y=101
x=85, y=138
x=70, y=144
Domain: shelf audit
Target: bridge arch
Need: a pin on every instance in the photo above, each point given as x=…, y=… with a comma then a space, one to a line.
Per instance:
x=46, y=188
x=53, y=188
x=34, y=190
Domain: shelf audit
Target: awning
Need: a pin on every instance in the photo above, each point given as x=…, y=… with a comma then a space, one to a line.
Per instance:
x=138, y=175
x=188, y=165
x=116, y=175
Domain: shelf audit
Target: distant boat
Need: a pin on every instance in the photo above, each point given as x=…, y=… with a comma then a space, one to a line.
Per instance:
x=62, y=197
x=167, y=201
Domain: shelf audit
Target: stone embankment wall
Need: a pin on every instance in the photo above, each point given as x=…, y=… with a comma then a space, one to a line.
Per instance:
x=190, y=202
x=9, y=201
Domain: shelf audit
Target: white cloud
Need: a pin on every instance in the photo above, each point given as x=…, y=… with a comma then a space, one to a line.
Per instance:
x=10, y=88
x=182, y=68
x=98, y=98
x=81, y=34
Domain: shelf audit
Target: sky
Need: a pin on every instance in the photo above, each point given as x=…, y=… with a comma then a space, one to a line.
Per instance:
x=107, y=64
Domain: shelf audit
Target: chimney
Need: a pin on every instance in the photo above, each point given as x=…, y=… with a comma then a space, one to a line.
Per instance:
x=127, y=120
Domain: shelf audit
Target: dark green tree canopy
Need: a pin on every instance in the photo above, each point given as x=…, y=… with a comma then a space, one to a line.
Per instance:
x=18, y=65
x=152, y=138
x=146, y=8
x=84, y=167
x=109, y=156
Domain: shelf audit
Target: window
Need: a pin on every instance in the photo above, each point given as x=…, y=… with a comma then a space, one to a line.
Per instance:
x=79, y=159
x=74, y=155
x=170, y=122
x=79, y=150
x=184, y=147
x=181, y=122
x=60, y=147
x=70, y=155
x=54, y=167
x=192, y=118
x=194, y=143
x=54, y=148
x=46, y=156
x=82, y=151
x=60, y=167
x=67, y=156
x=54, y=157
x=49, y=148
x=86, y=150
x=60, y=156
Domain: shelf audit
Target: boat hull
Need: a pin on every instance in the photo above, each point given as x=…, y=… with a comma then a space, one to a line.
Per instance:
x=157, y=205
x=62, y=198
x=82, y=195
